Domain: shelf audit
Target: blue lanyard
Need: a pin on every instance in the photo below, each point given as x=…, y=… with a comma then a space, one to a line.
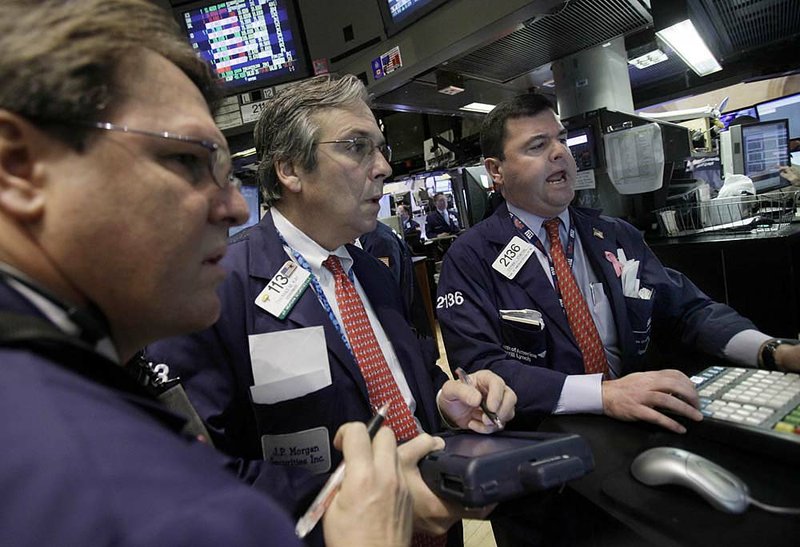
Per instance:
x=303, y=263
x=569, y=252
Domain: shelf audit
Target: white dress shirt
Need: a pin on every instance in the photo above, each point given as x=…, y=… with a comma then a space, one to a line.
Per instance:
x=315, y=255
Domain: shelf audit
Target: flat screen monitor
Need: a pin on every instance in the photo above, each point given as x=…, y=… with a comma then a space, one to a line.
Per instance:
x=249, y=43
x=398, y=14
x=253, y=198
x=787, y=108
x=581, y=143
x=765, y=146
x=728, y=117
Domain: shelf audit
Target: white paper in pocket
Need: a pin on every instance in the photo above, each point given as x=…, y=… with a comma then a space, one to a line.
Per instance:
x=288, y=364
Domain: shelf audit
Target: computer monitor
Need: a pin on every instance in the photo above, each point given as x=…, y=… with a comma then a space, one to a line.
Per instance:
x=476, y=193
x=252, y=196
x=765, y=146
x=581, y=143
x=398, y=14
x=249, y=43
x=784, y=108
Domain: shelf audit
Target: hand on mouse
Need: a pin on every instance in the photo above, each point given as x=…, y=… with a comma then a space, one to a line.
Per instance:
x=640, y=395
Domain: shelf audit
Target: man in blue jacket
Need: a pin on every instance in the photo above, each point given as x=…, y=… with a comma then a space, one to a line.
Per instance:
x=563, y=302
x=505, y=301
x=115, y=202
x=283, y=368
x=441, y=220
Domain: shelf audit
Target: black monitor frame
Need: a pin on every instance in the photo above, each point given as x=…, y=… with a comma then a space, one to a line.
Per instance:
x=778, y=181
x=302, y=64
x=393, y=25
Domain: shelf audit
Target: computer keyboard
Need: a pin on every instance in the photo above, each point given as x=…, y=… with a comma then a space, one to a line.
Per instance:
x=752, y=408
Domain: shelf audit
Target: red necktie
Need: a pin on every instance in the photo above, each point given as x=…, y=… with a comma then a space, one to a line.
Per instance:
x=578, y=316
x=381, y=386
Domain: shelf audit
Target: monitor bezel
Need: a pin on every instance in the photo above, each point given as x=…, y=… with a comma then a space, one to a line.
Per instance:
x=295, y=26
x=392, y=26
x=751, y=126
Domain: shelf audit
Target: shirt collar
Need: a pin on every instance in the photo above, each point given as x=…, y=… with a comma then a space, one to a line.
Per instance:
x=314, y=253
x=56, y=314
x=535, y=222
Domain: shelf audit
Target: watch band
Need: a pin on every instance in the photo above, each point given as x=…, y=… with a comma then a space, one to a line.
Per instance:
x=767, y=360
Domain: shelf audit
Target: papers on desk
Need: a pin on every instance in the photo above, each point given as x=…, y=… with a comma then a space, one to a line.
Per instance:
x=635, y=158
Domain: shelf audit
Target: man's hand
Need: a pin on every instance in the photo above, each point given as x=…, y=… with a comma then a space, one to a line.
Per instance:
x=460, y=403
x=790, y=173
x=638, y=396
x=787, y=358
x=432, y=515
x=373, y=507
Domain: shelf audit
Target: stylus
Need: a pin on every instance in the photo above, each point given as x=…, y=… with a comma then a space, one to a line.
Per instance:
x=326, y=495
x=464, y=377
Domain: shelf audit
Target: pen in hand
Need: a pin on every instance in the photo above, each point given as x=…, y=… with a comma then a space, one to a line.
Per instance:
x=323, y=500
x=464, y=377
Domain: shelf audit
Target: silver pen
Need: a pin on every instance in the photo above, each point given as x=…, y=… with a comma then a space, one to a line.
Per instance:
x=323, y=500
x=464, y=377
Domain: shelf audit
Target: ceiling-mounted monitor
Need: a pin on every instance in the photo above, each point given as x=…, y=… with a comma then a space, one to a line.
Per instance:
x=249, y=43
x=398, y=14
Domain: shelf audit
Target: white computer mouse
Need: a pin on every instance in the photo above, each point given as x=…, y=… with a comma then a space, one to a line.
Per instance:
x=667, y=465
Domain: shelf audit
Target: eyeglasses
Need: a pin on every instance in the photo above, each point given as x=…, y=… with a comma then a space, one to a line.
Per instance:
x=219, y=158
x=363, y=148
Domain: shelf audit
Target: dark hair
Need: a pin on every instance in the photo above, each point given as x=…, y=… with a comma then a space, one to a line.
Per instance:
x=287, y=129
x=59, y=60
x=493, y=128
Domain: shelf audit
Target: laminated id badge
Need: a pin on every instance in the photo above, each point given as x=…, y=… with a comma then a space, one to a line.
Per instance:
x=283, y=290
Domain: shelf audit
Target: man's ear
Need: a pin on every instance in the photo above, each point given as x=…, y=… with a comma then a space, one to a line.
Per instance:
x=288, y=175
x=21, y=194
x=495, y=169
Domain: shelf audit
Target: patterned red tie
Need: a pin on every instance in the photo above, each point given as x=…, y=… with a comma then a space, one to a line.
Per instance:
x=381, y=386
x=578, y=316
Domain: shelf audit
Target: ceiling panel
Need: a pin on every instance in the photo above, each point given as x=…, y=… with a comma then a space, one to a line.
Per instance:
x=578, y=25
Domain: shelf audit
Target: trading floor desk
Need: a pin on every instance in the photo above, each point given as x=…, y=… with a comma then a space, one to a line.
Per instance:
x=674, y=516
x=757, y=274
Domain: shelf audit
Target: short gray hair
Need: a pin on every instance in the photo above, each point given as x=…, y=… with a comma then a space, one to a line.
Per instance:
x=287, y=131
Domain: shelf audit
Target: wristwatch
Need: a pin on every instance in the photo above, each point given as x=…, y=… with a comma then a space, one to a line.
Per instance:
x=767, y=360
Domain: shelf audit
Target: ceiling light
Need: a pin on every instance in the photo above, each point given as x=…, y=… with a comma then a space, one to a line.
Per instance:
x=478, y=107
x=687, y=43
x=449, y=83
x=648, y=59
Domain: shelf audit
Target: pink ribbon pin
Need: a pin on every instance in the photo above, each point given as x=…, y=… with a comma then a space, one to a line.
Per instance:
x=611, y=257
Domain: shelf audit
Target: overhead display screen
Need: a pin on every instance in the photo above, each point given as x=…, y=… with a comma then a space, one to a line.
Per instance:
x=250, y=43
x=398, y=14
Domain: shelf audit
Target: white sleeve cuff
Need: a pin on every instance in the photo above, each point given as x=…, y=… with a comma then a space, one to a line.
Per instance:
x=743, y=347
x=581, y=394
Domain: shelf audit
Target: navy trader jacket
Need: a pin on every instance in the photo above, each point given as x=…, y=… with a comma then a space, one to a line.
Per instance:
x=298, y=428
x=435, y=225
x=89, y=459
x=534, y=362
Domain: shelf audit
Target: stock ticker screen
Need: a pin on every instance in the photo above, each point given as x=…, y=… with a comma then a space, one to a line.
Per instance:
x=250, y=43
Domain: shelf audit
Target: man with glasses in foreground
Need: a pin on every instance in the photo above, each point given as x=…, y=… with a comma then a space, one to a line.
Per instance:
x=312, y=332
x=112, y=228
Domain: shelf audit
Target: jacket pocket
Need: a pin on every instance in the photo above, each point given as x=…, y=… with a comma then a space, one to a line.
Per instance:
x=526, y=343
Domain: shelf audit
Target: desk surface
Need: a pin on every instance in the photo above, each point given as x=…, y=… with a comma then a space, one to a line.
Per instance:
x=673, y=516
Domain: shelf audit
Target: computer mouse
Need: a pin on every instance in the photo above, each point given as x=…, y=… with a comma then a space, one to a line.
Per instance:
x=667, y=465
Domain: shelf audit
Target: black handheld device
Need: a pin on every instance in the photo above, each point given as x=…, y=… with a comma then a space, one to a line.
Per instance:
x=477, y=470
